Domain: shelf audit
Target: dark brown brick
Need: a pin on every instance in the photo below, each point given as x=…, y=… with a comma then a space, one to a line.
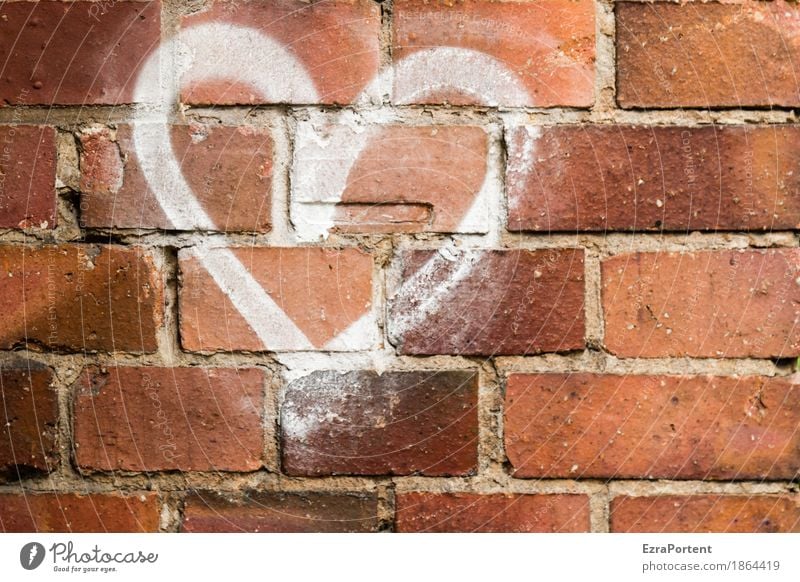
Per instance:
x=74, y=53
x=280, y=512
x=476, y=302
x=396, y=423
x=27, y=176
x=612, y=177
x=28, y=416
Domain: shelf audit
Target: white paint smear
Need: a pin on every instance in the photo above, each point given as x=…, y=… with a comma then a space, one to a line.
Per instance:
x=269, y=322
x=487, y=80
x=324, y=158
x=421, y=295
x=238, y=54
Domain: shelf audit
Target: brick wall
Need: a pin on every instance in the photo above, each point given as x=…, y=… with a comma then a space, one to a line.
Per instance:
x=415, y=265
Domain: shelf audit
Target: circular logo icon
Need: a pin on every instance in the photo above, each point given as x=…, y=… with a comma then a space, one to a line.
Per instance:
x=31, y=555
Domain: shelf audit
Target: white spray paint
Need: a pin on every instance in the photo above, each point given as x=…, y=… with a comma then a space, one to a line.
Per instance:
x=269, y=322
x=485, y=79
x=421, y=295
x=521, y=159
x=237, y=54
x=323, y=163
x=230, y=53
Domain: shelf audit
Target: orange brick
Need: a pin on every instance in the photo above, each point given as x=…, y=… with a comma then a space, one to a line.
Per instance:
x=585, y=425
x=522, y=53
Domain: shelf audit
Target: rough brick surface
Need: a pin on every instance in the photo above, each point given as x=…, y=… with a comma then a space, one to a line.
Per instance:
x=318, y=299
x=400, y=179
x=671, y=427
x=397, y=423
x=401, y=265
x=28, y=415
x=27, y=176
x=228, y=169
x=335, y=42
x=153, y=419
x=605, y=178
x=711, y=54
x=469, y=512
x=726, y=303
x=543, y=53
x=706, y=513
x=71, y=513
x=489, y=302
x=80, y=297
x=74, y=52
x=280, y=513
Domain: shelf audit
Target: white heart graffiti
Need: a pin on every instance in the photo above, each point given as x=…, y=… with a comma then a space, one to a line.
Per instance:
x=226, y=52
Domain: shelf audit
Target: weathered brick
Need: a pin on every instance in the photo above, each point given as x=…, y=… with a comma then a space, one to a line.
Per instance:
x=652, y=427
x=335, y=42
x=74, y=53
x=28, y=416
x=706, y=514
x=520, y=53
x=478, y=302
x=229, y=170
x=276, y=299
x=390, y=179
x=80, y=297
x=72, y=513
x=470, y=512
x=707, y=54
x=612, y=177
x=153, y=419
x=396, y=423
x=726, y=303
x=27, y=176
x=280, y=512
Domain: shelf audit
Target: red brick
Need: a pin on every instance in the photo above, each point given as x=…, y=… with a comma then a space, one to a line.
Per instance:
x=396, y=423
x=477, y=302
x=604, y=177
x=699, y=54
x=403, y=179
x=320, y=292
x=81, y=53
x=336, y=42
x=80, y=297
x=280, y=513
x=706, y=514
x=546, y=49
x=154, y=419
x=652, y=427
x=27, y=176
x=71, y=513
x=28, y=415
x=229, y=170
x=470, y=512
x=728, y=303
